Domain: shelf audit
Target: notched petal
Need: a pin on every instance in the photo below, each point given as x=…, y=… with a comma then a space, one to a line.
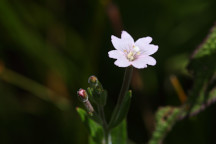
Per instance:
x=126, y=35
x=116, y=42
x=151, y=49
x=150, y=61
x=143, y=41
x=122, y=63
x=115, y=54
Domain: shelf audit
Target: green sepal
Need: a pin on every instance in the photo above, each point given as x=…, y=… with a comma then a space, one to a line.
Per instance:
x=90, y=93
x=97, y=94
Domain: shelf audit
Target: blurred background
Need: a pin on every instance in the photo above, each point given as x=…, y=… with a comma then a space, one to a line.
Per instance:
x=49, y=48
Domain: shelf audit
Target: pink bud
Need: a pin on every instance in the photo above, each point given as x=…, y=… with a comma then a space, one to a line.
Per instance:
x=82, y=94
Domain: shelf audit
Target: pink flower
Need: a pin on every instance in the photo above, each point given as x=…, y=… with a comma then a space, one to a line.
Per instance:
x=132, y=53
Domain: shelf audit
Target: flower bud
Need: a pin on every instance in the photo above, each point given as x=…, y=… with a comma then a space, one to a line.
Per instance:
x=82, y=94
x=93, y=80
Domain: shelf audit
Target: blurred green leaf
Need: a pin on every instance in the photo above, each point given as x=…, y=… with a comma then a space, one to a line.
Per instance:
x=123, y=110
x=165, y=119
x=95, y=130
x=202, y=94
x=203, y=69
x=119, y=133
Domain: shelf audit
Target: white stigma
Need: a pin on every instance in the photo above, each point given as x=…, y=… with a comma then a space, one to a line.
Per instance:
x=133, y=53
x=136, y=48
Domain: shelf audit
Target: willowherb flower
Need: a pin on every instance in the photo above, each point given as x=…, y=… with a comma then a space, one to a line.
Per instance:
x=132, y=53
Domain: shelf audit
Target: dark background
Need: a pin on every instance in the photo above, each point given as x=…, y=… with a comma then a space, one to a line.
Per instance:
x=49, y=48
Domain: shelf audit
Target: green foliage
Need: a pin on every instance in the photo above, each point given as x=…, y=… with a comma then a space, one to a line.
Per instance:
x=165, y=117
x=203, y=93
x=94, y=129
x=72, y=38
x=123, y=110
x=203, y=69
x=119, y=133
x=116, y=131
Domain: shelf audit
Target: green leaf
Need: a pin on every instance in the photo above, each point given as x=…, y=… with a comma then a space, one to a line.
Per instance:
x=202, y=68
x=95, y=130
x=201, y=95
x=123, y=110
x=165, y=119
x=119, y=133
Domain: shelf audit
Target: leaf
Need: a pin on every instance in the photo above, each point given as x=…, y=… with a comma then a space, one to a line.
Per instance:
x=95, y=130
x=123, y=110
x=166, y=117
x=119, y=133
x=202, y=68
x=201, y=95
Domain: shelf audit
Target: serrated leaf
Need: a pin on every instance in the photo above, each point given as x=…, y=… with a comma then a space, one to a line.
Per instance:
x=203, y=68
x=165, y=119
x=202, y=94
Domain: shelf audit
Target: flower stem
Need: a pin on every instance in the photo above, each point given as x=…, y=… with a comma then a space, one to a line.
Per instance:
x=123, y=91
x=125, y=84
x=107, y=136
x=102, y=115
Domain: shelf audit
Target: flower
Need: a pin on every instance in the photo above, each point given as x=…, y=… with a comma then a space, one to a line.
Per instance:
x=132, y=53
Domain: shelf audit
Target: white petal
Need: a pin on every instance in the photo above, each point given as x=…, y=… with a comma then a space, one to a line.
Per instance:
x=149, y=60
x=125, y=35
x=147, y=49
x=151, y=49
x=143, y=61
x=121, y=44
x=115, y=54
x=139, y=64
x=122, y=62
x=143, y=41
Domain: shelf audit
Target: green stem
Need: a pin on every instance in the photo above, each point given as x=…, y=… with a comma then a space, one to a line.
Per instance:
x=107, y=137
x=125, y=84
x=124, y=89
x=102, y=115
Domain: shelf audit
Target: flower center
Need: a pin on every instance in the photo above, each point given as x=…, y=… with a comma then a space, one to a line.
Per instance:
x=133, y=53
